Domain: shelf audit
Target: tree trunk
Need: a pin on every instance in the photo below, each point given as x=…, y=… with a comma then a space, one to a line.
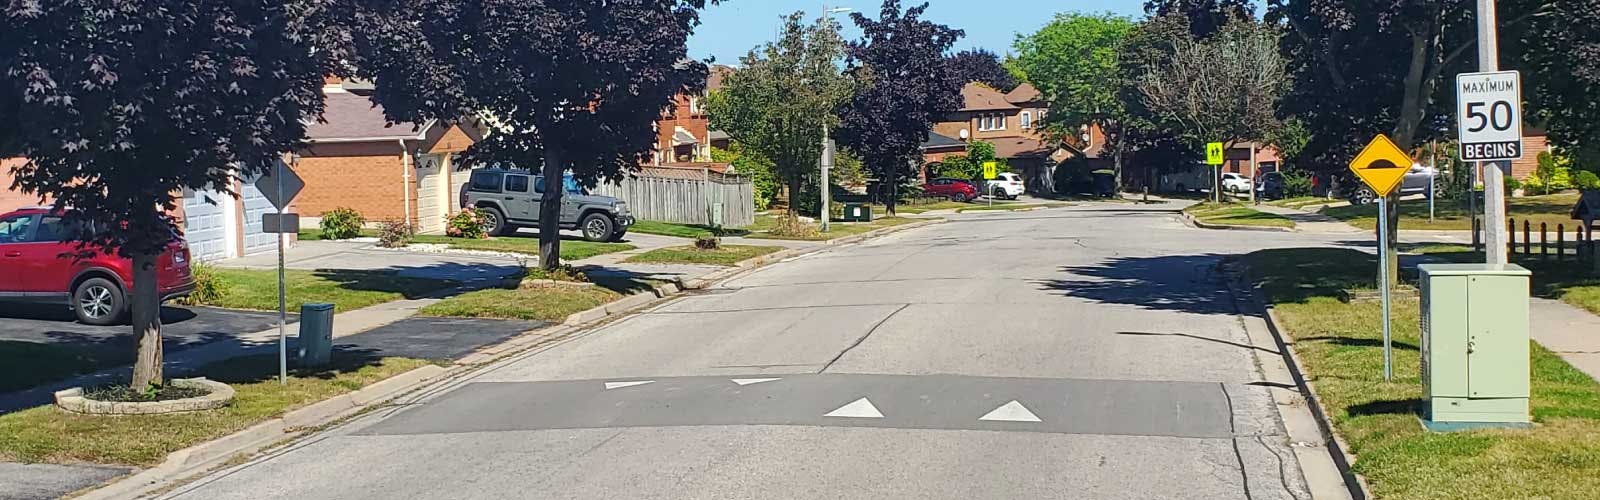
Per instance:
x=1391, y=234
x=794, y=196
x=1116, y=170
x=146, y=304
x=550, y=208
x=894, y=195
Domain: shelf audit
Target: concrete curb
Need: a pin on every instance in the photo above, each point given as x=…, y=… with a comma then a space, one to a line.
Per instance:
x=219, y=395
x=1192, y=221
x=183, y=463
x=1300, y=412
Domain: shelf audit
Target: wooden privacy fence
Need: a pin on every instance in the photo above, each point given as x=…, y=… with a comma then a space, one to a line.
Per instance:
x=686, y=195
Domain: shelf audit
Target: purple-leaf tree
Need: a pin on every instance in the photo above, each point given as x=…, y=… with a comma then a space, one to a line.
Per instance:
x=904, y=85
x=128, y=103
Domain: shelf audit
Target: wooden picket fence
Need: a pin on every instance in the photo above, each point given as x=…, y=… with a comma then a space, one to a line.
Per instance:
x=1582, y=246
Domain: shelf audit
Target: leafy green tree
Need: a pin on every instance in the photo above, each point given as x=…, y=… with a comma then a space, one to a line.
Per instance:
x=1073, y=61
x=778, y=104
x=905, y=86
x=763, y=174
x=569, y=85
x=127, y=104
x=1558, y=50
x=1205, y=17
x=970, y=165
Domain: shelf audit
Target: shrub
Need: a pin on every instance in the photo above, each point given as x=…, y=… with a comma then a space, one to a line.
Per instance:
x=1532, y=184
x=208, y=288
x=466, y=224
x=342, y=224
x=564, y=272
x=1512, y=184
x=395, y=234
x=1296, y=183
x=793, y=228
x=1586, y=180
x=708, y=242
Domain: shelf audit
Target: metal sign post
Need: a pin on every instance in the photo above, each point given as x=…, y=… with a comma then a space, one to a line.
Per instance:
x=279, y=186
x=1382, y=166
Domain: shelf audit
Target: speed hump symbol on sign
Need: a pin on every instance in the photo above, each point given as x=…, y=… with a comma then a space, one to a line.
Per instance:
x=1381, y=165
x=1213, y=153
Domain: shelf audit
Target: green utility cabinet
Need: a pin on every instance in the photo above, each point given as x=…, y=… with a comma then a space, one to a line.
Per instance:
x=1474, y=344
x=857, y=212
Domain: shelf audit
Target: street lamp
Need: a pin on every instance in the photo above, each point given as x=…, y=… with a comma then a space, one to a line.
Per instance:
x=825, y=163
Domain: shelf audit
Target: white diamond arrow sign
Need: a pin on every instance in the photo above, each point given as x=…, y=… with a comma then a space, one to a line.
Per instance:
x=1011, y=412
x=860, y=408
x=280, y=194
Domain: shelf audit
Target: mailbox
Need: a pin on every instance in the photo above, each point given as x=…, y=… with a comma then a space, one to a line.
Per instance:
x=1474, y=345
x=857, y=212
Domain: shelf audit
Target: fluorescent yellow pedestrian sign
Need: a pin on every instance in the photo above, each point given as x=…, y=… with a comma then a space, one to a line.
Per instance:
x=989, y=170
x=1382, y=165
x=1214, y=153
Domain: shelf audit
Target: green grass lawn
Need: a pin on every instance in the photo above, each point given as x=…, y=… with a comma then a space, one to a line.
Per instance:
x=29, y=364
x=45, y=434
x=346, y=290
x=1451, y=215
x=726, y=256
x=1298, y=201
x=679, y=229
x=1236, y=214
x=571, y=249
x=1339, y=344
x=315, y=234
x=1568, y=281
x=544, y=303
x=765, y=223
x=1010, y=207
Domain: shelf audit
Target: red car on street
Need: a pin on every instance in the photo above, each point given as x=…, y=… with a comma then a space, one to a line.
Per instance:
x=36, y=266
x=954, y=189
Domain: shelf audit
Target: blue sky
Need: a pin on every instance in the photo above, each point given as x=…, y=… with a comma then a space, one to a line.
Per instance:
x=731, y=29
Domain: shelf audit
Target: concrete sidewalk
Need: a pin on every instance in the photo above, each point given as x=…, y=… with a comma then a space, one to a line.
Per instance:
x=1572, y=333
x=1310, y=222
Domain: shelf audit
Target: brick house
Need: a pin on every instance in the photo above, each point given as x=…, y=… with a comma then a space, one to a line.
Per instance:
x=684, y=132
x=404, y=171
x=1010, y=121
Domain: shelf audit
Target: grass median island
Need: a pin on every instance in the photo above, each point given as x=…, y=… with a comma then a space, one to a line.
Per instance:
x=680, y=230
x=1340, y=347
x=1451, y=215
x=765, y=223
x=727, y=255
x=1236, y=214
x=45, y=434
x=346, y=290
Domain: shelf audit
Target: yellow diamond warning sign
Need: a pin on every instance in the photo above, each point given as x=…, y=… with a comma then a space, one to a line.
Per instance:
x=1382, y=165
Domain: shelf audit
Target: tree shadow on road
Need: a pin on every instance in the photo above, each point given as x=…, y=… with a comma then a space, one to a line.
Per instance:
x=1188, y=283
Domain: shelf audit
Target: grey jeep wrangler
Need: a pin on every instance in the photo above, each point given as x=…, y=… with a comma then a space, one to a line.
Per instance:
x=509, y=199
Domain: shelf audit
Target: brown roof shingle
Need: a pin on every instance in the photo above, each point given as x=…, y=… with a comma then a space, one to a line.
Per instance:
x=979, y=97
x=354, y=117
x=1023, y=93
x=1019, y=147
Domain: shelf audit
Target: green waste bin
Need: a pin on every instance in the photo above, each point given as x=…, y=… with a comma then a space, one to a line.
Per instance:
x=316, y=334
x=857, y=212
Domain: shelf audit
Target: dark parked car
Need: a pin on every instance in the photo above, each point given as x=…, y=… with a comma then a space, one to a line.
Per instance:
x=1270, y=186
x=954, y=189
x=36, y=266
x=509, y=199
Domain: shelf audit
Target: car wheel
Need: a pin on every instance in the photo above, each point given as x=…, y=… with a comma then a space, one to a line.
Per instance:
x=98, y=301
x=958, y=197
x=494, y=222
x=597, y=227
x=1364, y=196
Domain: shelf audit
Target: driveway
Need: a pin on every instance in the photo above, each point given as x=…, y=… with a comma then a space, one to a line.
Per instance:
x=181, y=326
x=349, y=255
x=1084, y=352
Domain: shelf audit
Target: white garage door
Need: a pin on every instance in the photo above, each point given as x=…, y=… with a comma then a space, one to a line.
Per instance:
x=432, y=200
x=458, y=182
x=205, y=224
x=256, y=205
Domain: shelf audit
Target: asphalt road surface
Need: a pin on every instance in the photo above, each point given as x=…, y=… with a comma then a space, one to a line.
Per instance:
x=1083, y=352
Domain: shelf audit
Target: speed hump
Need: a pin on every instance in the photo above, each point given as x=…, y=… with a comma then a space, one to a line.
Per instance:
x=1381, y=165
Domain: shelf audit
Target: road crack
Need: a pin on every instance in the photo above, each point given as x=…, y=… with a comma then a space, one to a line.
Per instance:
x=863, y=337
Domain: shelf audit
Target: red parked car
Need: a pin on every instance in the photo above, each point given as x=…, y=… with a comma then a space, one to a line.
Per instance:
x=35, y=266
x=954, y=189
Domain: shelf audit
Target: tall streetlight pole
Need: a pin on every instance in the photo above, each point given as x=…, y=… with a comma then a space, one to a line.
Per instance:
x=826, y=161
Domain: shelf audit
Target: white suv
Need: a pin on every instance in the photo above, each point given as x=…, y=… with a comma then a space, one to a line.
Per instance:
x=1005, y=185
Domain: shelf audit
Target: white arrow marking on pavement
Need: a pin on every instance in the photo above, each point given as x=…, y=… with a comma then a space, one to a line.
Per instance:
x=860, y=408
x=1011, y=412
x=748, y=381
x=618, y=385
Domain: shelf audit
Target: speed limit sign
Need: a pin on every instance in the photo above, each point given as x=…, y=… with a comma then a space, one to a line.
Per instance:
x=1489, y=115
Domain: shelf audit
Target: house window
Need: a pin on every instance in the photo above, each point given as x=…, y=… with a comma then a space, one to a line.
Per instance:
x=1027, y=120
x=1000, y=121
x=991, y=121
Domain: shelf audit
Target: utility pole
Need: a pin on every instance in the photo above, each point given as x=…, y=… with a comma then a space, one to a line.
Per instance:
x=1494, y=187
x=826, y=162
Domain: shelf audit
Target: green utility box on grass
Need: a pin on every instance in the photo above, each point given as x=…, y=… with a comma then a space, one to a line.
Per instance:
x=1474, y=345
x=856, y=212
